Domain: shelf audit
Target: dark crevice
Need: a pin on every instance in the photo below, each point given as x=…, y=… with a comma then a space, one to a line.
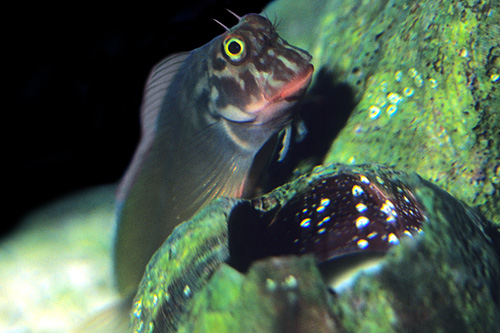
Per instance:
x=324, y=111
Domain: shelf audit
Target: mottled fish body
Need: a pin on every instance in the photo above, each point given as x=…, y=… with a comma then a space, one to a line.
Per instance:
x=205, y=115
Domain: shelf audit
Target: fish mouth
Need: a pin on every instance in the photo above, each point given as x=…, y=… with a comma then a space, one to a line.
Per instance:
x=296, y=87
x=274, y=106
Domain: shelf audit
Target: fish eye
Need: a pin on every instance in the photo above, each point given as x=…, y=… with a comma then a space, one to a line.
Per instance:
x=234, y=48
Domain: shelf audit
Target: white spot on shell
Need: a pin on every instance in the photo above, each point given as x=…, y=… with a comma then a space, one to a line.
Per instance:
x=362, y=244
x=361, y=207
x=393, y=239
x=388, y=208
x=325, y=220
x=362, y=222
x=364, y=179
x=390, y=219
x=357, y=190
x=305, y=223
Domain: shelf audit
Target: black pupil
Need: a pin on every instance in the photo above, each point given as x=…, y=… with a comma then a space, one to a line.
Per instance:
x=234, y=48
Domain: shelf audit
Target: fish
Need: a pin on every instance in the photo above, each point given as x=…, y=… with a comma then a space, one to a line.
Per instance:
x=207, y=117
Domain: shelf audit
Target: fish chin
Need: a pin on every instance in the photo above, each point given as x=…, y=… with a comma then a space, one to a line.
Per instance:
x=273, y=111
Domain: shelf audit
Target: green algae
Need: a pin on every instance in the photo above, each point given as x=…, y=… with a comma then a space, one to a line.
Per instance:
x=180, y=267
x=211, y=307
x=280, y=295
x=425, y=81
x=367, y=307
x=445, y=279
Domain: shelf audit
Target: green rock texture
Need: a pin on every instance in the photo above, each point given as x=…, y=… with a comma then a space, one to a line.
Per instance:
x=425, y=78
x=181, y=267
x=282, y=294
x=447, y=278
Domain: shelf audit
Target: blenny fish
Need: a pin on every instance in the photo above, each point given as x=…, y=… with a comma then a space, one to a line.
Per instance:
x=205, y=116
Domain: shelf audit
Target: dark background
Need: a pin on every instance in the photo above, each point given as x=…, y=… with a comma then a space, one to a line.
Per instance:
x=77, y=75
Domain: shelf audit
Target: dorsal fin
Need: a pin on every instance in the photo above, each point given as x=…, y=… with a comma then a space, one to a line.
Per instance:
x=156, y=87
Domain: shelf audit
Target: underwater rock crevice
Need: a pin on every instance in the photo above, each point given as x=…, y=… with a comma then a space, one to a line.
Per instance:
x=415, y=108
x=324, y=111
x=434, y=262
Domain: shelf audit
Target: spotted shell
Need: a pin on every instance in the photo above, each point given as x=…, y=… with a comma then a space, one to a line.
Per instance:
x=345, y=213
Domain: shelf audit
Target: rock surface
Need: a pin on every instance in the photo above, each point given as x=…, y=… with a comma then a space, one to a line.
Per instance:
x=56, y=269
x=446, y=278
x=425, y=81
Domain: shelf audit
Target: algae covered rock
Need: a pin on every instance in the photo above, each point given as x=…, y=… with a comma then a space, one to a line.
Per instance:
x=423, y=97
x=425, y=81
x=446, y=274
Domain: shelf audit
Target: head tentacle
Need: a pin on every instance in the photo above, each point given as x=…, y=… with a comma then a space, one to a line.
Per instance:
x=222, y=25
x=235, y=15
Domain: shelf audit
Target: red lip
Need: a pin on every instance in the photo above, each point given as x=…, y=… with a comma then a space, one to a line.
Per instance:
x=295, y=88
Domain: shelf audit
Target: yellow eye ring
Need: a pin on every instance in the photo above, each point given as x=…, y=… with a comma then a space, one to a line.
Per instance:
x=234, y=48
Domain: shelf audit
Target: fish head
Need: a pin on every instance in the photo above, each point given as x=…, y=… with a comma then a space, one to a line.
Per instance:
x=256, y=75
